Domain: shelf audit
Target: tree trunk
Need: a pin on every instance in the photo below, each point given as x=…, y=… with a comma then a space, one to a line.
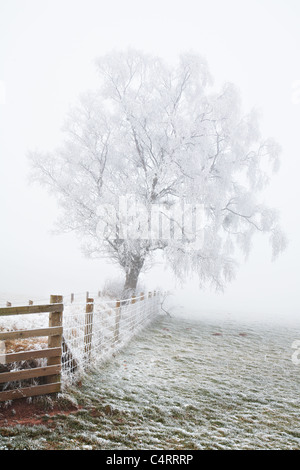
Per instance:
x=132, y=272
x=131, y=280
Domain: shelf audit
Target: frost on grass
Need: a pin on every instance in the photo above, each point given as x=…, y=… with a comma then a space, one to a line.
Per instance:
x=188, y=389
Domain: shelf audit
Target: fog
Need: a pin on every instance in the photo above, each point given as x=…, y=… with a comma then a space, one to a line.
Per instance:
x=47, y=52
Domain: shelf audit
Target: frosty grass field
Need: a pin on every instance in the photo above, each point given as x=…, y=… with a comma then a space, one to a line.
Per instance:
x=183, y=384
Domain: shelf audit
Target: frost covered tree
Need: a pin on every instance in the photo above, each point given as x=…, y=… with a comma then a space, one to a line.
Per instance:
x=162, y=134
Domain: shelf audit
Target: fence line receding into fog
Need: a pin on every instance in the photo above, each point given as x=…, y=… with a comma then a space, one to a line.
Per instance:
x=91, y=331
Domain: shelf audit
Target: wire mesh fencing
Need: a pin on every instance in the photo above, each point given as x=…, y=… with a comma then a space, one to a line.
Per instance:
x=96, y=329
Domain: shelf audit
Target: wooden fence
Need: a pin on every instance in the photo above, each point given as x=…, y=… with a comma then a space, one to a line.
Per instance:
x=51, y=372
x=97, y=330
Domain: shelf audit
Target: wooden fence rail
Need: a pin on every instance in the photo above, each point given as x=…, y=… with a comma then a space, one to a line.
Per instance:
x=53, y=353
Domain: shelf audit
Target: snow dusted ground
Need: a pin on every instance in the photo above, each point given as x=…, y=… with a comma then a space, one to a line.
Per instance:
x=185, y=384
x=190, y=388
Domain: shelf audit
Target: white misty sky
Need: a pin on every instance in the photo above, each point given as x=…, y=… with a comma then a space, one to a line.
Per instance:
x=47, y=52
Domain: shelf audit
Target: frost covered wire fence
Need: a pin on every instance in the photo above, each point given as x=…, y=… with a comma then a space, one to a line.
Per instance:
x=95, y=329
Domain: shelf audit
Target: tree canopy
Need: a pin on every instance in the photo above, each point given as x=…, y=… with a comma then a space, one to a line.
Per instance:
x=163, y=136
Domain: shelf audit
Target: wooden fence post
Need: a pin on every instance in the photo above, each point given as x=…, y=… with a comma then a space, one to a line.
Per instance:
x=55, y=319
x=141, y=307
x=118, y=318
x=72, y=298
x=150, y=296
x=88, y=329
x=133, y=316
